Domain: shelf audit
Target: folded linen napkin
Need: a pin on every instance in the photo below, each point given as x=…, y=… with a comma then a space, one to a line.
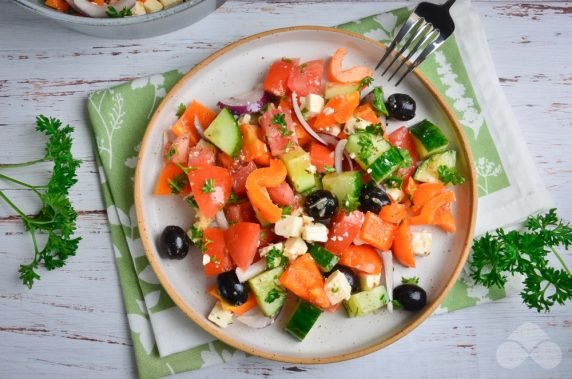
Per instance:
x=165, y=341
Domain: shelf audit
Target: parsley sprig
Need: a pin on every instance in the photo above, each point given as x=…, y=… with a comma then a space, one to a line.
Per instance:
x=449, y=175
x=114, y=13
x=280, y=120
x=497, y=255
x=56, y=220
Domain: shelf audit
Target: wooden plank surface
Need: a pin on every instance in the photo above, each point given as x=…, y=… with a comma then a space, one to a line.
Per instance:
x=72, y=324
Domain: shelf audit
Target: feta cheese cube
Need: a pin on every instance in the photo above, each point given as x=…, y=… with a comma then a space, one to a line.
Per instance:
x=369, y=281
x=307, y=219
x=421, y=243
x=244, y=119
x=355, y=124
x=138, y=9
x=315, y=233
x=264, y=251
x=311, y=169
x=170, y=3
x=152, y=6
x=294, y=247
x=219, y=316
x=337, y=287
x=289, y=226
x=333, y=130
x=395, y=193
x=313, y=105
x=206, y=259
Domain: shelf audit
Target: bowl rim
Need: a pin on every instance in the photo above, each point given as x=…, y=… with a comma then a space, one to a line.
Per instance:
x=91, y=21
x=218, y=333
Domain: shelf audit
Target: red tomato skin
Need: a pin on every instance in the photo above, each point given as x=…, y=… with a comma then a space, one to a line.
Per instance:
x=277, y=141
x=277, y=77
x=239, y=177
x=345, y=227
x=307, y=78
x=402, y=138
x=242, y=240
x=267, y=236
x=202, y=155
x=210, y=202
x=216, y=250
x=241, y=212
x=282, y=195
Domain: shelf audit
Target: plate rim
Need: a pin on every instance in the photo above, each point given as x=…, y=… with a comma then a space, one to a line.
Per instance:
x=218, y=333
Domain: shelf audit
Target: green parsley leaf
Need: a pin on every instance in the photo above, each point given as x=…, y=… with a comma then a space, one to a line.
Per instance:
x=280, y=120
x=525, y=252
x=56, y=219
x=273, y=294
x=181, y=109
x=329, y=169
x=287, y=210
x=208, y=187
x=275, y=258
x=378, y=103
x=396, y=304
x=412, y=280
x=393, y=182
x=449, y=175
x=374, y=129
x=197, y=237
x=233, y=198
x=178, y=183
x=366, y=146
x=113, y=13
x=351, y=203
x=365, y=82
x=190, y=200
x=335, y=290
x=171, y=152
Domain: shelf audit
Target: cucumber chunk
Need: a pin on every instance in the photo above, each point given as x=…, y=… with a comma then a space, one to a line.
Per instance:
x=337, y=89
x=386, y=165
x=343, y=184
x=366, y=147
x=365, y=302
x=297, y=163
x=324, y=259
x=428, y=139
x=224, y=133
x=302, y=320
x=428, y=170
x=269, y=294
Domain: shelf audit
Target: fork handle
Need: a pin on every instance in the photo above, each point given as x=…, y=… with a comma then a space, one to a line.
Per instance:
x=448, y=4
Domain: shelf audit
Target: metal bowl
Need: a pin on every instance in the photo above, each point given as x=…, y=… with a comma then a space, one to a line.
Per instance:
x=149, y=25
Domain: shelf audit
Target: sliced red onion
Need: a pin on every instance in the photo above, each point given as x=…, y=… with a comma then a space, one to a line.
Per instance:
x=199, y=127
x=248, y=102
x=350, y=162
x=251, y=271
x=256, y=319
x=339, y=154
x=387, y=258
x=221, y=221
x=303, y=121
x=100, y=11
x=330, y=139
x=75, y=7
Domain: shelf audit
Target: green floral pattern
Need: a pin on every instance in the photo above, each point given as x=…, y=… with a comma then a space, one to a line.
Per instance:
x=117, y=135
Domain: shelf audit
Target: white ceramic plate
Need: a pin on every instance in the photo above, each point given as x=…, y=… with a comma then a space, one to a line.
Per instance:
x=236, y=69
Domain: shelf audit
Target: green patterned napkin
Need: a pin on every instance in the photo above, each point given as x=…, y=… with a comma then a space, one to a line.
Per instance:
x=165, y=341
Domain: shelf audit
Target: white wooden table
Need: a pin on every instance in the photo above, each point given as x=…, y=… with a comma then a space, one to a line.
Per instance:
x=72, y=324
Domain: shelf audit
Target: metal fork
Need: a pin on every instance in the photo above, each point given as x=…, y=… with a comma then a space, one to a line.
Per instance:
x=427, y=28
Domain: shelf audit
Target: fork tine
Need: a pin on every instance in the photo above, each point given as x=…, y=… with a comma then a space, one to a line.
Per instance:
x=428, y=50
x=412, y=37
x=402, y=32
x=427, y=38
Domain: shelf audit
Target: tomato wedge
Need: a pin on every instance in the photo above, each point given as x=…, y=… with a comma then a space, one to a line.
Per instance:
x=321, y=157
x=242, y=242
x=303, y=278
x=362, y=258
x=277, y=78
x=239, y=177
x=336, y=73
x=280, y=137
x=220, y=260
x=211, y=187
x=240, y=212
x=282, y=194
x=202, y=154
x=345, y=227
x=402, y=138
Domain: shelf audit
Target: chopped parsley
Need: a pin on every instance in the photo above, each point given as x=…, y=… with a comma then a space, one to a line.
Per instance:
x=378, y=104
x=113, y=13
x=275, y=258
x=287, y=210
x=396, y=304
x=412, y=280
x=191, y=201
x=449, y=175
x=233, y=198
x=178, y=183
x=215, y=260
x=197, y=237
x=335, y=290
x=374, y=129
x=394, y=182
x=171, y=152
x=280, y=120
x=384, y=298
x=273, y=294
x=351, y=203
x=366, y=146
x=181, y=109
x=365, y=82
x=329, y=169
x=208, y=187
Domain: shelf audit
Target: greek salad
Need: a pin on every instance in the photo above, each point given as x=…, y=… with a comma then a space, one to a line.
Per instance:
x=110, y=8
x=299, y=190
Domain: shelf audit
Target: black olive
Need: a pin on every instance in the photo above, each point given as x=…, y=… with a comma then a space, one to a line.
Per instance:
x=230, y=289
x=174, y=243
x=321, y=205
x=372, y=198
x=410, y=296
x=401, y=106
x=350, y=276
